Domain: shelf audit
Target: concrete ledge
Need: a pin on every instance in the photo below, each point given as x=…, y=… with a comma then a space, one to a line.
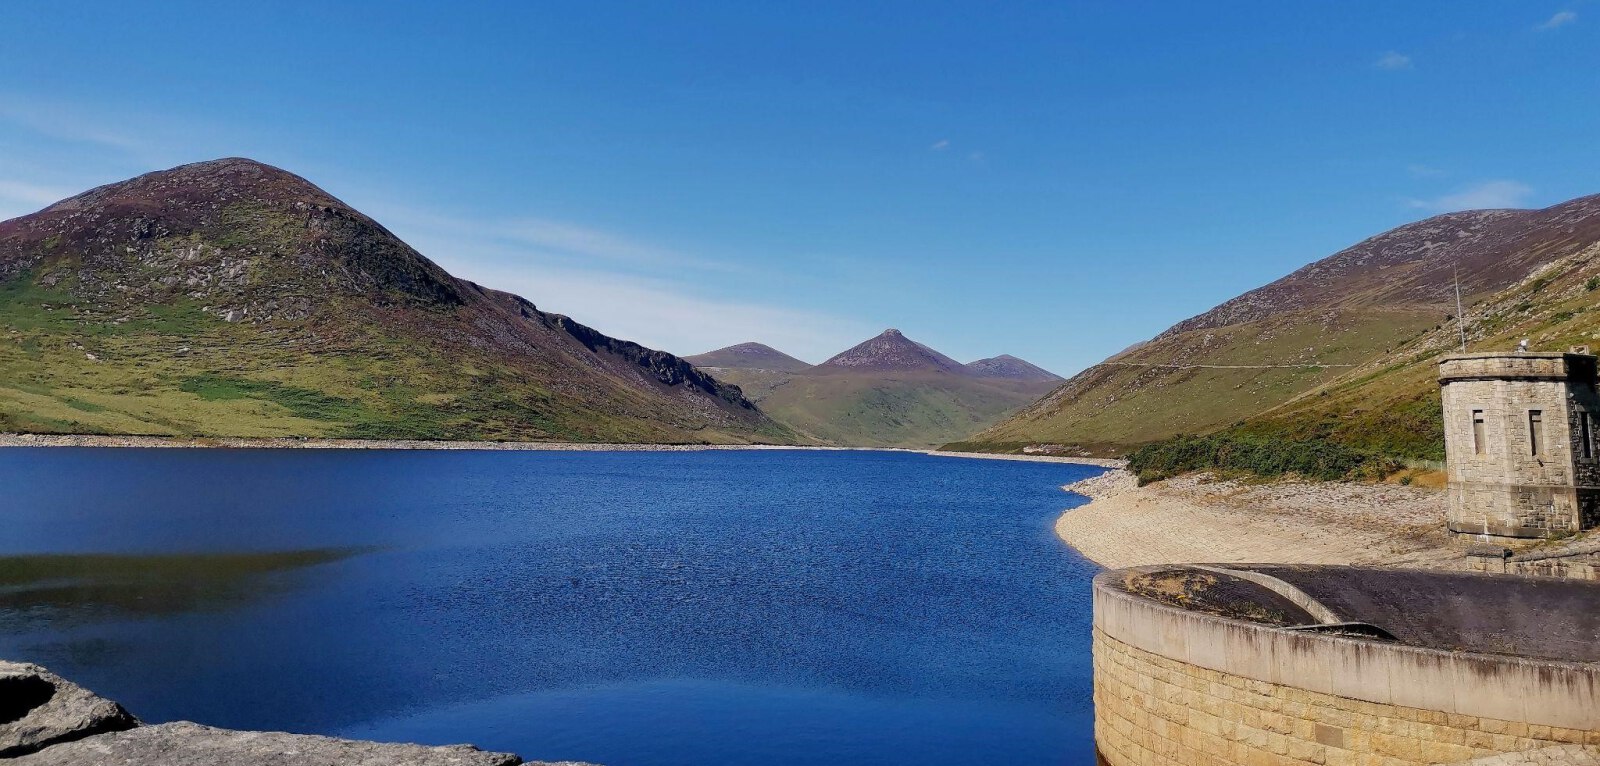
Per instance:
x=1563, y=695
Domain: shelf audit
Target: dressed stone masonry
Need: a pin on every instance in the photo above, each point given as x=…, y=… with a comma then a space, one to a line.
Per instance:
x=1207, y=666
x=1521, y=430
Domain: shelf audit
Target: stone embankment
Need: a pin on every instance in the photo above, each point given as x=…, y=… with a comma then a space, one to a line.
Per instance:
x=46, y=720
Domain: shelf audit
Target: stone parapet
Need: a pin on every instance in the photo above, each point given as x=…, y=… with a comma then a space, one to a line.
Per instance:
x=1515, y=366
x=1174, y=687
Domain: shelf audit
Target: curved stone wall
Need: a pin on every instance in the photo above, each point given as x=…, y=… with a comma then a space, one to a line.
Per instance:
x=1183, y=688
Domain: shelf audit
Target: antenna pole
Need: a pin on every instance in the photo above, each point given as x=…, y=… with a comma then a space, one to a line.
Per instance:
x=1461, y=320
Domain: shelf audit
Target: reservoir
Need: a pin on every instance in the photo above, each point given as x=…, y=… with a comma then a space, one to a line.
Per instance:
x=623, y=608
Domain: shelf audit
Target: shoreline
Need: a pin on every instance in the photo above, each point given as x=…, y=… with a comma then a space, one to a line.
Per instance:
x=292, y=442
x=1200, y=518
x=1100, y=462
x=284, y=442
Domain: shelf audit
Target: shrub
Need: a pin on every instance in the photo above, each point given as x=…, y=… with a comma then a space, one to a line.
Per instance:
x=1312, y=458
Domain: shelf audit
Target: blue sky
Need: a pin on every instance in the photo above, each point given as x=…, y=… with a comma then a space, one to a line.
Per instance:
x=1051, y=180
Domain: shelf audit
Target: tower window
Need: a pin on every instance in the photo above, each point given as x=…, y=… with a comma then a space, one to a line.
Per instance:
x=1586, y=435
x=1536, y=432
x=1477, y=432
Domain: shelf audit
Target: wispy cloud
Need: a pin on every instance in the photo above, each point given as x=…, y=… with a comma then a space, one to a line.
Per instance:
x=1561, y=19
x=574, y=239
x=1392, y=61
x=118, y=136
x=608, y=289
x=1481, y=196
x=63, y=124
x=33, y=194
x=1416, y=170
x=550, y=240
x=22, y=197
x=668, y=316
x=940, y=145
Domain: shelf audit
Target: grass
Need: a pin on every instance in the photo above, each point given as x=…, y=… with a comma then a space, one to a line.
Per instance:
x=1113, y=409
x=303, y=402
x=250, y=381
x=1312, y=458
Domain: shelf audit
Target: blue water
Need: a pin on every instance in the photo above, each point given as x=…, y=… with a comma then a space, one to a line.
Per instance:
x=630, y=609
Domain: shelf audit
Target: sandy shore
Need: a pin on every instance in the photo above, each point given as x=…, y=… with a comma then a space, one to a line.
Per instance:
x=1198, y=519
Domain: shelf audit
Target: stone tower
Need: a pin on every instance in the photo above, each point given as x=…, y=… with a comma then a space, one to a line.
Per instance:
x=1520, y=437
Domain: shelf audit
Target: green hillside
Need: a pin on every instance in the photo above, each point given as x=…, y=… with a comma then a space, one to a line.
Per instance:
x=1392, y=405
x=230, y=298
x=1335, y=350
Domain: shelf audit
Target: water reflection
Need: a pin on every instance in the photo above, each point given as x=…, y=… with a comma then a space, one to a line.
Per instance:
x=67, y=590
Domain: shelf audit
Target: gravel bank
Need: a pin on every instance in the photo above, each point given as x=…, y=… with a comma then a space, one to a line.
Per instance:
x=1197, y=518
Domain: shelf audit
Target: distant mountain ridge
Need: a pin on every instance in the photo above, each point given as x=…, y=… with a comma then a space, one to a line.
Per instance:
x=1008, y=367
x=232, y=298
x=1278, y=353
x=890, y=350
x=754, y=356
x=887, y=391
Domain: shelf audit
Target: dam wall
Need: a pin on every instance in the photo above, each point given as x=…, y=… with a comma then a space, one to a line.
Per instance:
x=1178, y=686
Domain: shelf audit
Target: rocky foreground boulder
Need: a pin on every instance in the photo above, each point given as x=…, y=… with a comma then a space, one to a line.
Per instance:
x=46, y=720
x=39, y=709
x=190, y=744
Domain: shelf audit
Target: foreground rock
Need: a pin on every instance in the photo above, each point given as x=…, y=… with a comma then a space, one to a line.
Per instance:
x=190, y=744
x=39, y=709
x=47, y=720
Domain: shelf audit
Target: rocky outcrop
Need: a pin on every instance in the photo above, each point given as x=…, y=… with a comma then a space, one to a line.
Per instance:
x=39, y=709
x=190, y=744
x=46, y=720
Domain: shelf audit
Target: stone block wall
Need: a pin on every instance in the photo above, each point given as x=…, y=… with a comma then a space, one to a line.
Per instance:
x=1581, y=562
x=1177, y=687
x=1507, y=489
x=1154, y=711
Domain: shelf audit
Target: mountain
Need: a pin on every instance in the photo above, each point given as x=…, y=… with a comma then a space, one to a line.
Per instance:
x=890, y=351
x=747, y=356
x=890, y=391
x=231, y=298
x=1008, y=367
x=1313, y=332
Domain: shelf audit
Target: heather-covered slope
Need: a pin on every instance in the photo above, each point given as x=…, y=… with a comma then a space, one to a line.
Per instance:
x=231, y=298
x=890, y=391
x=1391, y=404
x=1326, y=322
